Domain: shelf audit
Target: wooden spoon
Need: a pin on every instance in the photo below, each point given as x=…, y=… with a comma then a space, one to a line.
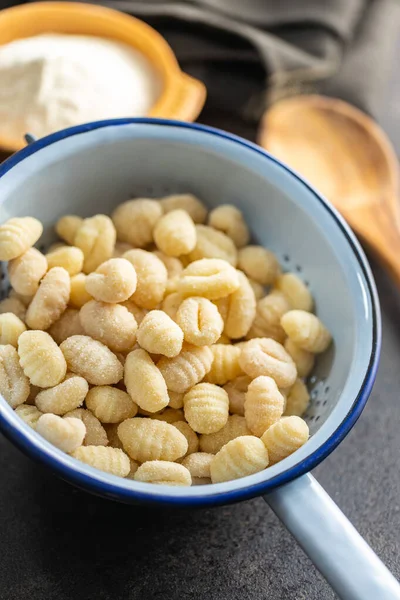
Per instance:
x=348, y=158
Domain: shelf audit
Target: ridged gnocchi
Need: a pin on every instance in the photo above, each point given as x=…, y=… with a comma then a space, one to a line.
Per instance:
x=159, y=334
x=14, y=384
x=240, y=457
x=151, y=278
x=64, y=397
x=200, y=321
x=113, y=281
x=297, y=293
x=41, y=359
x=211, y=278
x=95, y=433
x=267, y=320
x=135, y=220
x=163, y=472
x=67, y=226
x=306, y=331
x=69, y=258
x=240, y=309
x=148, y=439
x=110, y=460
x=11, y=328
x=285, y=437
x=225, y=365
x=18, y=235
x=96, y=238
x=259, y=264
x=50, y=301
x=144, y=382
x=264, y=405
x=92, y=360
x=212, y=443
x=206, y=408
x=188, y=368
x=110, y=405
x=175, y=233
x=187, y=202
x=111, y=324
x=265, y=356
x=67, y=325
x=211, y=243
x=228, y=219
x=26, y=271
x=66, y=434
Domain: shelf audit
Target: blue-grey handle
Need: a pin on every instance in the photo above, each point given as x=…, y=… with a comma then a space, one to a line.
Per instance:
x=330, y=540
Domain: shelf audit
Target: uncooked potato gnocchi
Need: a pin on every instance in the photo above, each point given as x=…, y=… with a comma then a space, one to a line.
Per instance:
x=185, y=346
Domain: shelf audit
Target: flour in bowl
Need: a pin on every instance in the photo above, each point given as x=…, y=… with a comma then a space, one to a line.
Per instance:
x=49, y=82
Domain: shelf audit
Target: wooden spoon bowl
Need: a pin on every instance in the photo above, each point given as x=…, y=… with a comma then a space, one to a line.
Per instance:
x=347, y=157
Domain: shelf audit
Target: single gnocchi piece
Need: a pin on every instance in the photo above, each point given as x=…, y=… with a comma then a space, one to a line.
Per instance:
x=229, y=219
x=151, y=278
x=68, y=324
x=303, y=359
x=297, y=400
x=236, y=390
x=198, y=464
x=200, y=321
x=41, y=359
x=92, y=360
x=265, y=356
x=241, y=309
x=297, y=293
x=212, y=443
x=11, y=328
x=67, y=227
x=95, y=433
x=110, y=405
x=159, y=334
x=173, y=265
x=171, y=304
x=144, y=382
x=29, y=414
x=78, y=294
x=96, y=238
x=64, y=397
x=65, y=434
x=69, y=258
x=175, y=233
x=13, y=305
x=50, y=301
x=206, y=408
x=188, y=368
x=175, y=399
x=190, y=435
x=267, y=321
x=135, y=220
x=148, y=439
x=163, y=472
x=14, y=384
x=285, y=437
x=225, y=365
x=212, y=243
x=26, y=271
x=240, y=457
x=259, y=263
x=113, y=281
x=263, y=406
x=110, y=460
x=210, y=278
x=306, y=331
x=111, y=324
x=18, y=235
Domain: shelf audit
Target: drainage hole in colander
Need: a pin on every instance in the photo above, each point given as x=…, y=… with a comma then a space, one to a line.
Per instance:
x=325, y=402
x=298, y=268
x=286, y=258
x=327, y=389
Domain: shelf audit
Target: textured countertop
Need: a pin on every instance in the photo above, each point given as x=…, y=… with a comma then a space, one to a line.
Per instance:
x=58, y=542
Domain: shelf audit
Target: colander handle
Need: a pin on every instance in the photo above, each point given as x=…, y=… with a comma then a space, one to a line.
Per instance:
x=330, y=540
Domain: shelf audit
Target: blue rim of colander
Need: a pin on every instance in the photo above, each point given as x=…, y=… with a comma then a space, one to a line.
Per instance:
x=112, y=490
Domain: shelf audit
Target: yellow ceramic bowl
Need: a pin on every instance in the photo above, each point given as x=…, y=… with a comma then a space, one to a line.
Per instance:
x=182, y=96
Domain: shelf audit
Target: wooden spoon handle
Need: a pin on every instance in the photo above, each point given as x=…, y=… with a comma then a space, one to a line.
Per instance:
x=382, y=235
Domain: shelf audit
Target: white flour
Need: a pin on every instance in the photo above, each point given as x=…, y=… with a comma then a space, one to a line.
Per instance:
x=49, y=82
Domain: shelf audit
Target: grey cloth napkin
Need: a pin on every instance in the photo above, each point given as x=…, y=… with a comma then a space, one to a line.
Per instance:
x=250, y=53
